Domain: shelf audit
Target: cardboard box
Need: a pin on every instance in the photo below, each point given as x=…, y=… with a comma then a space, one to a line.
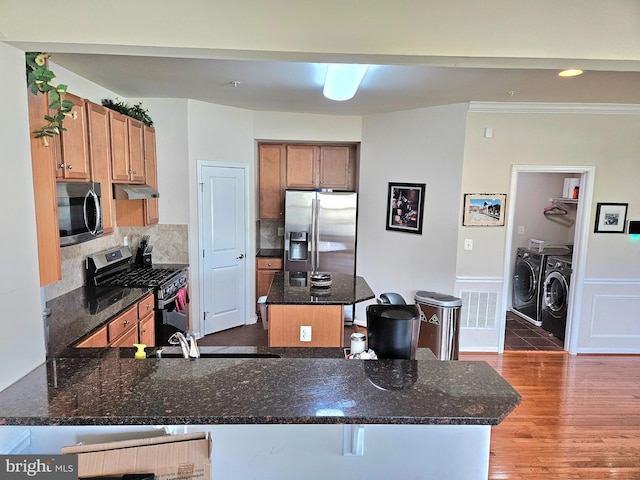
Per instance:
x=169, y=457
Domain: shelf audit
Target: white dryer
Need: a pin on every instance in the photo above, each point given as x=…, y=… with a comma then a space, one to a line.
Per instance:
x=555, y=294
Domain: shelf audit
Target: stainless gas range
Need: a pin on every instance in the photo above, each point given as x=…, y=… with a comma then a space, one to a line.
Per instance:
x=114, y=268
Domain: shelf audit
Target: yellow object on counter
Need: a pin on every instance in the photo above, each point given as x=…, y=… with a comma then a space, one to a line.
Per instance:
x=140, y=353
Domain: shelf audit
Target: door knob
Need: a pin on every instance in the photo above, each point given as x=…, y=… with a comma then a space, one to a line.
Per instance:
x=240, y=257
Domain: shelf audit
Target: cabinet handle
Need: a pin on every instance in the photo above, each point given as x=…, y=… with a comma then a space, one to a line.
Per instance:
x=269, y=264
x=126, y=322
x=144, y=330
x=69, y=167
x=61, y=165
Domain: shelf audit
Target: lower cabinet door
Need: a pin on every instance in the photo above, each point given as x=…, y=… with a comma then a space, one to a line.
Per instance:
x=127, y=339
x=146, y=331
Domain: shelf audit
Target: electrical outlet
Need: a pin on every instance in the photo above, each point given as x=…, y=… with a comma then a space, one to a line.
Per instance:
x=520, y=230
x=468, y=244
x=305, y=333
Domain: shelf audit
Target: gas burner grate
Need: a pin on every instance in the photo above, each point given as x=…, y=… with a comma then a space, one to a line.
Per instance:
x=142, y=277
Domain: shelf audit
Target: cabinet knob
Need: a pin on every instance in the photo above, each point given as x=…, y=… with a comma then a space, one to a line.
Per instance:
x=269, y=264
x=69, y=167
x=126, y=322
x=61, y=165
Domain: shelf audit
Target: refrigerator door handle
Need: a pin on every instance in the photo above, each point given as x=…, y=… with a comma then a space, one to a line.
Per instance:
x=314, y=235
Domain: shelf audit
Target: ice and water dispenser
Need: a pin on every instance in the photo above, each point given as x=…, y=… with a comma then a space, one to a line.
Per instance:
x=298, y=246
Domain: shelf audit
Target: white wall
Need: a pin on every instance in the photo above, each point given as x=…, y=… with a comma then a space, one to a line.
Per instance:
x=611, y=144
x=23, y=345
x=306, y=127
x=416, y=146
x=222, y=134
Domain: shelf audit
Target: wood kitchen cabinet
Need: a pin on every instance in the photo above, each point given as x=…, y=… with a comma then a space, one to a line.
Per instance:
x=96, y=339
x=127, y=149
x=151, y=212
x=302, y=166
x=321, y=166
x=135, y=325
x=44, y=192
x=100, y=157
x=266, y=267
x=71, y=147
x=326, y=322
x=271, y=181
x=141, y=213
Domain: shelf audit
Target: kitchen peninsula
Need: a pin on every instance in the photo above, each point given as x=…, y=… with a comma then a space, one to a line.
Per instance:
x=309, y=410
x=293, y=303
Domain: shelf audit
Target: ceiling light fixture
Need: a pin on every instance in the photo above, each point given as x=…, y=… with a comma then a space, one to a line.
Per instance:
x=342, y=80
x=570, y=72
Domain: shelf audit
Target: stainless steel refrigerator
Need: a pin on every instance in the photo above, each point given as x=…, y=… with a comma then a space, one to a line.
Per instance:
x=320, y=231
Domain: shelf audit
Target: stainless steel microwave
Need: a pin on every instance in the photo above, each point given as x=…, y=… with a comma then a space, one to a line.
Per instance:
x=79, y=211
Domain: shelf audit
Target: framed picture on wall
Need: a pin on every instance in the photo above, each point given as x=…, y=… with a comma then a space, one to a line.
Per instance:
x=611, y=217
x=405, y=206
x=484, y=209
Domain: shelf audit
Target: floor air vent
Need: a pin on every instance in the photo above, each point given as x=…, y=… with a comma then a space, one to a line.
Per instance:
x=478, y=310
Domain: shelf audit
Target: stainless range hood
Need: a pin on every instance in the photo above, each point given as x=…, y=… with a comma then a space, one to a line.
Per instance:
x=127, y=191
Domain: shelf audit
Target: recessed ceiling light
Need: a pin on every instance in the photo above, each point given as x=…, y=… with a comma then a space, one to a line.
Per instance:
x=570, y=72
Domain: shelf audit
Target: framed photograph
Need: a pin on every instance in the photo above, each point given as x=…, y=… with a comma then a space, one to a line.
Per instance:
x=611, y=217
x=405, y=206
x=484, y=209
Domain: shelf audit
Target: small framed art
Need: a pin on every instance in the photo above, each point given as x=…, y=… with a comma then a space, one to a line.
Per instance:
x=405, y=207
x=611, y=217
x=484, y=209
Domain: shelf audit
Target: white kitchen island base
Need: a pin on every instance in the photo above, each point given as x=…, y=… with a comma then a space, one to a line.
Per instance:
x=312, y=452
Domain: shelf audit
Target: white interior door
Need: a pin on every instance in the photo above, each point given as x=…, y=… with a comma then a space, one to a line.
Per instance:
x=223, y=247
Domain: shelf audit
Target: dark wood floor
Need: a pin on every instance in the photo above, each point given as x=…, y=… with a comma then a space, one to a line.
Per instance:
x=579, y=417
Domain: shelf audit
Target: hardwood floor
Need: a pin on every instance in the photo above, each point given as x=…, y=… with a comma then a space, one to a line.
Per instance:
x=579, y=417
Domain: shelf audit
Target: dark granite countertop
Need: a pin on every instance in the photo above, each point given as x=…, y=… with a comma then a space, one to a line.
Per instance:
x=83, y=310
x=306, y=386
x=270, y=253
x=80, y=312
x=294, y=288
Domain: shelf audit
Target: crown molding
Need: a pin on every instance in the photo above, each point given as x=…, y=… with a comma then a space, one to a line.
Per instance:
x=525, y=107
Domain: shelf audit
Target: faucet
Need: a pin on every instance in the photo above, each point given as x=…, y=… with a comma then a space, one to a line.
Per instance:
x=189, y=347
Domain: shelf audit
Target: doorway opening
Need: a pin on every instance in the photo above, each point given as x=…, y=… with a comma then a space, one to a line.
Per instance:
x=534, y=190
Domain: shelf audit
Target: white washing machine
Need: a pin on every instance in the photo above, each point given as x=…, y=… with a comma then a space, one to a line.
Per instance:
x=527, y=281
x=555, y=294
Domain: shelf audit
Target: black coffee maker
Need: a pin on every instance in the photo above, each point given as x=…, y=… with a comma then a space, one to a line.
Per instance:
x=393, y=330
x=143, y=256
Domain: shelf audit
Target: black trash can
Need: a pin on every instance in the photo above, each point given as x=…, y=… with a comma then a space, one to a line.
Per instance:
x=439, y=328
x=393, y=330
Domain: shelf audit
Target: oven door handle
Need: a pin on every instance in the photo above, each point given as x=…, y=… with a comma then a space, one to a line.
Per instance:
x=163, y=302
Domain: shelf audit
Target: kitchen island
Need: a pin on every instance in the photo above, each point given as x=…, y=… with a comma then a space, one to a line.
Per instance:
x=309, y=411
x=302, y=315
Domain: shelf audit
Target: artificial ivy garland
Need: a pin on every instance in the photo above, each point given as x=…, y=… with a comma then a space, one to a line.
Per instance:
x=40, y=80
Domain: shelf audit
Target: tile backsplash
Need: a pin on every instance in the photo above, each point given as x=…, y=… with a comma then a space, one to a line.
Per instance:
x=268, y=234
x=170, y=245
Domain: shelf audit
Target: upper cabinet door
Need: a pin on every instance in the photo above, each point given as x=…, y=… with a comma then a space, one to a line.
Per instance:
x=336, y=167
x=136, y=151
x=302, y=166
x=150, y=168
x=100, y=158
x=271, y=159
x=73, y=163
x=119, y=147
